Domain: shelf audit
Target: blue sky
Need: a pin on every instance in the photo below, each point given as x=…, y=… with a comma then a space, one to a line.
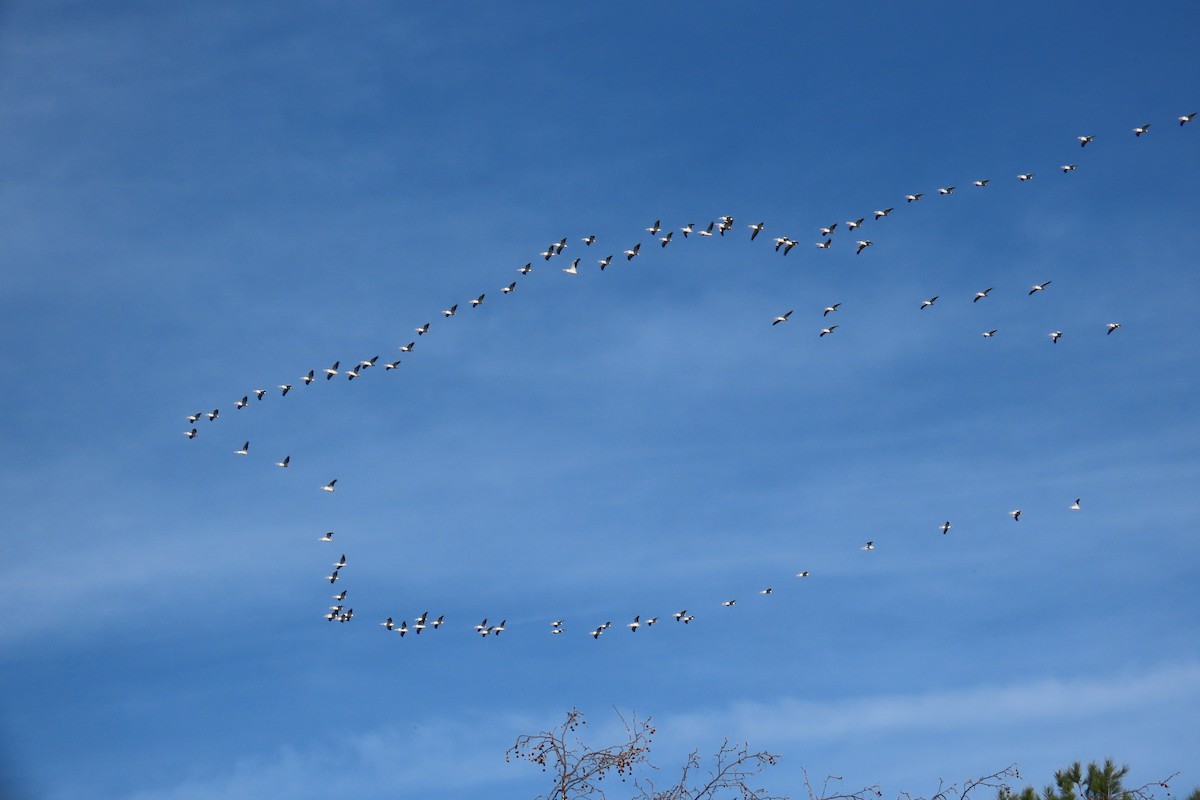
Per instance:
x=202, y=200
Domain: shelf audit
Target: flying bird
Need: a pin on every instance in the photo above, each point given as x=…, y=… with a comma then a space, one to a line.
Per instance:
x=728, y=603
x=1039, y=287
x=525, y=270
x=1068, y=167
x=655, y=228
x=629, y=254
x=666, y=240
x=259, y=393
x=1112, y=326
x=245, y=451
x=823, y=245
x=190, y=434
x=1083, y=140
x=407, y=348
x=912, y=198
x=827, y=331
x=854, y=223
x=946, y=190
x=870, y=545
x=329, y=486
x=424, y=329
x=1055, y=336
x=478, y=301
x=829, y=231
x=1025, y=176
x=883, y=213
x=286, y=460
x=945, y=527
x=862, y=245
x=391, y=365
x=767, y=590
x=929, y=302
x=1185, y=119
x=989, y=334
x=980, y=295
x=782, y=319
x=830, y=309
x=1015, y=514
x=331, y=371
x=633, y=626
x=604, y=262
x=1138, y=131
x=589, y=240
x=212, y=415
x=328, y=537
x=757, y=230
x=451, y=311
x=983, y=182
x=573, y=269
x=689, y=228
x=512, y=286
x=802, y=574
x=240, y=404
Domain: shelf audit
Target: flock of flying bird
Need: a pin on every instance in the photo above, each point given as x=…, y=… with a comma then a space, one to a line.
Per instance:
x=718, y=227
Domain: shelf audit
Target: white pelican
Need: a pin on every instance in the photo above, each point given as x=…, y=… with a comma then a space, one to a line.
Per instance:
x=212, y=415
x=989, y=334
x=782, y=319
x=980, y=295
x=633, y=626
x=328, y=537
x=870, y=545
x=767, y=590
x=194, y=417
x=437, y=623
x=945, y=527
x=286, y=460
x=589, y=240
x=245, y=401
x=329, y=486
x=802, y=574
x=424, y=329
x=728, y=603
x=341, y=562
x=946, y=190
x=1083, y=140
x=573, y=269
x=286, y=387
x=451, y=311
x=1112, y=326
x=912, y=198
x=1186, y=118
x=680, y=615
x=983, y=182
x=1015, y=514
x=1068, y=167
x=387, y=623
x=341, y=596
x=851, y=224
x=655, y=228
x=883, y=213
x=757, y=230
x=689, y=228
x=331, y=371
x=525, y=270
x=1138, y=131
x=245, y=451
x=1055, y=336
x=827, y=331
x=666, y=240
x=1039, y=287
x=407, y=348
x=926, y=304
x=708, y=231
x=391, y=365
x=351, y=374
x=512, y=286
x=829, y=231
x=333, y=576
x=190, y=434
x=604, y=262
x=629, y=254
x=863, y=244
x=478, y=301
x=1025, y=176
x=830, y=309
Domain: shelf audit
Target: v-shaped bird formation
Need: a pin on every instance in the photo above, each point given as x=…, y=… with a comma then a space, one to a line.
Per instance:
x=721, y=226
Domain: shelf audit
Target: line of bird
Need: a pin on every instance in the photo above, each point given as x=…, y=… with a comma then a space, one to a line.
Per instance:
x=719, y=226
x=339, y=612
